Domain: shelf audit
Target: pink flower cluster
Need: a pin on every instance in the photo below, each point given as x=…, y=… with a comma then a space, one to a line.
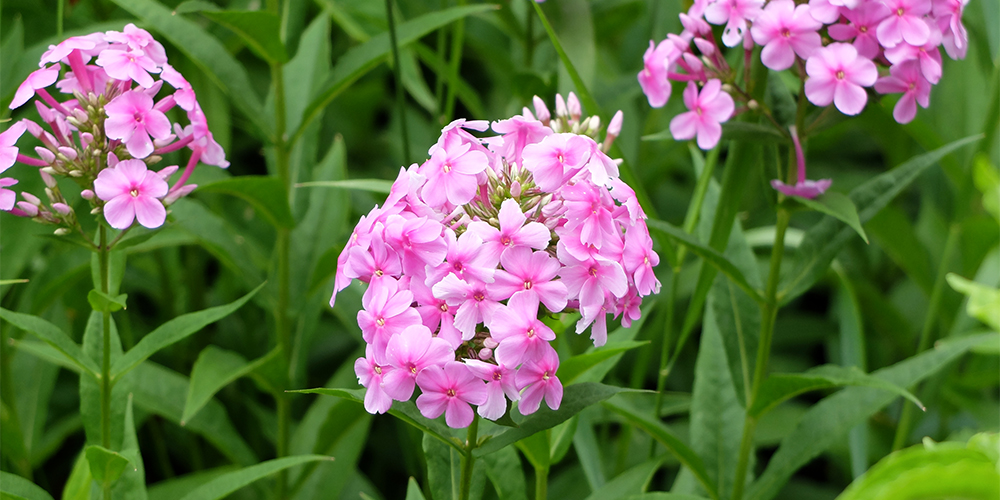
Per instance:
x=902, y=35
x=479, y=242
x=111, y=112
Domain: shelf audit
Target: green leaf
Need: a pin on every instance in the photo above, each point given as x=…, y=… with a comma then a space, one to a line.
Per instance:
x=190, y=6
x=102, y=302
x=12, y=484
x=660, y=432
x=711, y=255
x=361, y=59
x=573, y=367
x=377, y=186
x=630, y=482
x=576, y=397
x=562, y=439
x=443, y=469
x=987, y=180
x=232, y=481
x=662, y=495
x=265, y=193
x=413, y=490
x=781, y=387
x=259, y=29
x=53, y=336
x=828, y=422
x=132, y=485
x=503, y=469
x=220, y=238
x=105, y=465
x=839, y=206
x=214, y=369
x=173, y=331
x=78, y=485
x=943, y=470
x=588, y=451
x=535, y=449
x=205, y=51
x=170, y=489
x=984, y=301
x=824, y=240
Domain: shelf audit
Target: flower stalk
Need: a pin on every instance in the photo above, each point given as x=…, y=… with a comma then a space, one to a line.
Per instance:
x=103, y=252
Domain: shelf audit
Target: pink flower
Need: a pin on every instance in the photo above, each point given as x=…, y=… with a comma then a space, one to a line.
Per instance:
x=522, y=337
x=450, y=390
x=905, y=23
x=804, y=188
x=500, y=382
x=949, y=18
x=908, y=79
x=128, y=65
x=555, y=159
x=451, y=175
x=653, y=78
x=785, y=30
x=89, y=45
x=928, y=56
x=863, y=22
x=588, y=215
x=640, y=259
x=465, y=259
x=537, y=380
x=475, y=303
x=386, y=313
x=131, y=192
x=409, y=353
x=513, y=231
x=824, y=11
x=374, y=263
x=530, y=273
x=436, y=314
x=419, y=239
x=139, y=39
x=185, y=94
x=708, y=110
x=370, y=372
x=38, y=79
x=132, y=119
x=837, y=74
x=735, y=13
x=7, y=197
x=518, y=132
x=590, y=280
x=8, y=148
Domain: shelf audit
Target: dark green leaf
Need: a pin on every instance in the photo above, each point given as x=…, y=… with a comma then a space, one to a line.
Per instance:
x=102, y=302
x=169, y=489
x=53, y=336
x=413, y=490
x=378, y=186
x=105, y=465
x=173, y=331
x=503, y=468
x=662, y=495
x=214, y=369
x=839, y=206
x=265, y=193
x=90, y=389
x=190, y=6
x=227, y=483
x=573, y=367
x=259, y=29
x=12, y=484
x=630, y=482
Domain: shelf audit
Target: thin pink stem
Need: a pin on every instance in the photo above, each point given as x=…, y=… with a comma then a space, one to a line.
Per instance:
x=18, y=212
x=34, y=162
x=681, y=77
x=44, y=94
x=799, y=156
x=174, y=146
x=165, y=104
x=195, y=156
x=80, y=70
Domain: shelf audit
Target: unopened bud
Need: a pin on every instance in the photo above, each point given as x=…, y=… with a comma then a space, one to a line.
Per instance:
x=515, y=189
x=44, y=112
x=753, y=105
x=46, y=155
x=68, y=152
x=85, y=139
x=30, y=198
x=541, y=110
x=75, y=173
x=50, y=194
x=153, y=159
x=62, y=208
x=615, y=127
x=525, y=112
x=485, y=353
x=112, y=159
x=594, y=125
x=706, y=47
x=87, y=194
x=47, y=178
x=489, y=343
x=95, y=211
x=561, y=107
x=159, y=143
x=61, y=231
x=573, y=106
x=180, y=193
x=29, y=209
x=80, y=115
x=166, y=172
x=727, y=88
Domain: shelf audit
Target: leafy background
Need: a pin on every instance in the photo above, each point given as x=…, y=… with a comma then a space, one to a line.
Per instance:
x=344, y=110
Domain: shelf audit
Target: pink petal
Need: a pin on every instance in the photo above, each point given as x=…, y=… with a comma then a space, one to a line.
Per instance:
x=849, y=98
x=684, y=126
x=777, y=56
x=459, y=414
x=819, y=90
x=119, y=212
x=906, y=108
x=139, y=145
x=149, y=211
x=709, y=133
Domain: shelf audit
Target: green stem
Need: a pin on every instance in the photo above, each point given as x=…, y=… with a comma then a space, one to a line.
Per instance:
x=457, y=43
x=60, y=14
x=933, y=310
x=468, y=461
x=106, y=358
x=541, y=483
x=768, y=315
x=400, y=93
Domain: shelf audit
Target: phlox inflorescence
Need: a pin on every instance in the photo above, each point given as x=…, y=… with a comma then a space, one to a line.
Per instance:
x=476, y=245
x=107, y=131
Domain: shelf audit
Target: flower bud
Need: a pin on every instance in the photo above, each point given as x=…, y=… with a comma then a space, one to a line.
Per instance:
x=573, y=106
x=541, y=110
x=112, y=159
x=615, y=127
x=29, y=209
x=593, y=125
x=85, y=139
x=62, y=208
x=30, y=198
x=95, y=211
x=46, y=155
x=47, y=115
x=159, y=143
x=753, y=105
x=76, y=173
x=68, y=152
x=707, y=48
x=153, y=159
x=489, y=343
x=561, y=107
x=180, y=193
x=47, y=178
x=87, y=194
x=80, y=115
x=727, y=88
x=62, y=231
x=527, y=113
x=485, y=353
x=166, y=172
x=515, y=189
x=51, y=195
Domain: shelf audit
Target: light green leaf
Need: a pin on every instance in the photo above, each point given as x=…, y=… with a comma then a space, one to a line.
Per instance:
x=588, y=451
x=12, y=484
x=232, y=481
x=78, y=485
x=662, y=495
x=503, y=468
x=535, y=449
x=984, y=301
x=12, y=282
x=259, y=29
x=105, y=465
x=173, y=331
x=573, y=367
x=377, y=186
x=839, y=206
x=660, y=432
x=170, y=489
x=630, y=482
x=781, y=387
x=190, y=6
x=102, y=302
x=265, y=193
x=413, y=490
x=214, y=369
x=561, y=439
x=132, y=485
x=828, y=421
x=53, y=336
x=987, y=180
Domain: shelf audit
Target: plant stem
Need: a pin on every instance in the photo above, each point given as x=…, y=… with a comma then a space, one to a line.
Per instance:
x=768, y=315
x=106, y=358
x=60, y=14
x=933, y=309
x=468, y=461
x=400, y=93
x=541, y=483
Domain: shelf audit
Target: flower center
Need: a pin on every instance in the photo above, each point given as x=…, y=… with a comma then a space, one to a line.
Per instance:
x=593, y=272
x=497, y=375
x=479, y=296
x=443, y=307
x=380, y=321
x=137, y=117
x=379, y=273
x=451, y=393
x=413, y=369
x=506, y=241
x=787, y=33
x=378, y=369
x=446, y=168
x=546, y=376
x=560, y=158
x=134, y=192
x=900, y=12
x=527, y=285
x=863, y=29
x=531, y=332
x=458, y=267
x=840, y=75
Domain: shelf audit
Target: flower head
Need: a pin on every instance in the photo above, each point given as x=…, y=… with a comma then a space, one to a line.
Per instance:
x=132, y=118
x=837, y=74
x=708, y=109
x=131, y=192
x=785, y=30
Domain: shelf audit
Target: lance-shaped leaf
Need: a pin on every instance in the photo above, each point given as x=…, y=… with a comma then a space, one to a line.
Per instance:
x=984, y=301
x=413, y=490
x=378, y=186
x=839, y=206
x=16, y=487
x=575, y=366
x=173, y=331
x=781, y=387
x=53, y=336
x=105, y=465
x=232, y=481
x=259, y=29
x=630, y=482
x=102, y=302
x=214, y=369
x=265, y=193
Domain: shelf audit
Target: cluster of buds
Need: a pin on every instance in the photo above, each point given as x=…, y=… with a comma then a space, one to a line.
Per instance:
x=834, y=46
x=107, y=131
x=477, y=244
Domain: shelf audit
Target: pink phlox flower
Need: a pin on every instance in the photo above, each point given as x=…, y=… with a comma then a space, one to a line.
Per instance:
x=908, y=79
x=588, y=213
x=410, y=352
x=386, y=312
x=628, y=307
x=518, y=132
x=450, y=389
x=694, y=26
x=708, y=109
x=555, y=159
x=456, y=133
x=133, y=119
x=89, y=45
x=128, y=65
x=516, y=327
x=184, y=94
x=735, y=14
x=597, y=320
x=419, y=240
x=864, y=21
x=370, y=371
x=436, y=314
x=588, y=280
x=475, y=303
x=612, y=245
x=38, y=79
x=698, y=7
x=538, y=380
x=785, y=30
x=905, y=23
x=530, y=273
x=500, y=382
x=451, y=175
x=657, y=62
x=139, y=39
x=131, y=192
x=98, y=78
x=465, y=259
x=360, y=237
x=803, y=188
x=624, y=194
x=949, y=19
x=376, y=262
x=513, y=232
x=601, y=167
x=639, y=259
x=837, y=74
x=928, y=56
x=8, y=147
x=7, y=197
x=824, y=11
